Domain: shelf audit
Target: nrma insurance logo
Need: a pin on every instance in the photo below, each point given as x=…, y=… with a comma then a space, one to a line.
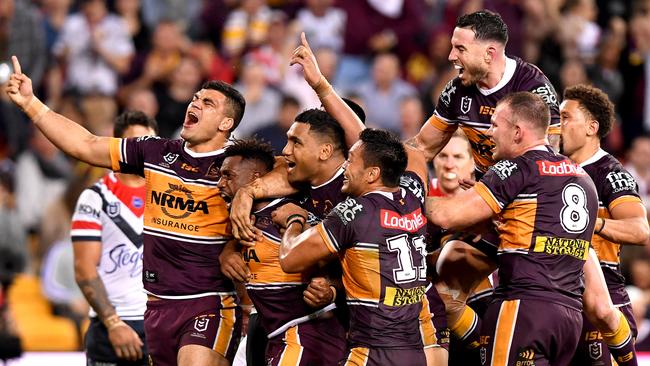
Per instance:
x=177, y=202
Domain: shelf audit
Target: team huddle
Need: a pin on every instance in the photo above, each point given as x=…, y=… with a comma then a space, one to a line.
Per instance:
x=336, y=252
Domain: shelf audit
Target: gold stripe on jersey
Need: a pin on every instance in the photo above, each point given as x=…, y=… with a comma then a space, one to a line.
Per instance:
x=320, y=228
x=504, y=332
x=482, y=147
x=441, y=124
x=226, y=331
x=361, y=274
x=292, y=352
x=487, y=196
x=554, y=129
x=184, y=208
x=427, y=329
x=516, y=232
x=114, y=146
x=264, y=264
x=358, y=357
x=623, y=199
x=606, y=250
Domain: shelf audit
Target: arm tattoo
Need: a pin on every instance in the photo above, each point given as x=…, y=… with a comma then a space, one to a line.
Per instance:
x=95, y=293
x=413, y=142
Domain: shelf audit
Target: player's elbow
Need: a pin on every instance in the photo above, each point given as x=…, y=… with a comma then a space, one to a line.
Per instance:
x=289, y=264
x=642, y=234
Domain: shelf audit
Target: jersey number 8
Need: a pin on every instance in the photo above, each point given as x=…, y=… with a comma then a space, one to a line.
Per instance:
x=574, y=215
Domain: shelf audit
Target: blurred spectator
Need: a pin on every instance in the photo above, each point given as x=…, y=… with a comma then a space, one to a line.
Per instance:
x=274, y=55
x=174, y=98
x=210, y=21
x=323, y=24
x=573, y=72
x=131, y=12
x=246, y=27
x=382, y=95
x=143, y=100
x=640, y=271
x=54, y=13
x=638, y=164
x=213, y=65
x=579, y=32
x=22, y=34
x=604, y=73
x=276, y=133
x=183, y=12
x=13, y=241
x=262, y=102
x=411, y=116
x=95, y=48
x=42, y=173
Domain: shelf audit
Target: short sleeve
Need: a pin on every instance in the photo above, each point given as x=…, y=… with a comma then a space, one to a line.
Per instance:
x=86, y=220
x=545, y=90
x=502, y=183
x=128, y=155
x=618, y=186
x=338, y=229
x=442, y=117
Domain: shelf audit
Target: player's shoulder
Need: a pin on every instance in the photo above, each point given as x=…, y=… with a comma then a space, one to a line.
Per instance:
x=354, y=209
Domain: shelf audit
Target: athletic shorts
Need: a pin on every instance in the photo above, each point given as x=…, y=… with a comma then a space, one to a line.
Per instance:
x=319, y=342
x=362, y=356
x=433, y=321
x=99, y=350
x=529, y=332
x=212, y=321
x=592, y=349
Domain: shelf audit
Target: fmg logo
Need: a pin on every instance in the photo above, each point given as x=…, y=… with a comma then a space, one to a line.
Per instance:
x=182, y=206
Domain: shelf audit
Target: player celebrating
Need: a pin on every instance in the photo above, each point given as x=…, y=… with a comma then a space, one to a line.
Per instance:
x=587, y=115
x=107, y=240
x=547, y=207
x=192, y=316
x=384, y=268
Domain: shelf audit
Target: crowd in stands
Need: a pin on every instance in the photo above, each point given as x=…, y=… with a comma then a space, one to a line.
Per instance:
x=91, y=59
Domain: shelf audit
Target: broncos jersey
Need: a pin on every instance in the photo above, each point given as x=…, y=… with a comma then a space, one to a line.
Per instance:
x=320, y=200
x=615, y=186
x=471, y=107
x=110, y=213
x=186, y=220
x=380, y=240
x=277, y=296
x=547, y=210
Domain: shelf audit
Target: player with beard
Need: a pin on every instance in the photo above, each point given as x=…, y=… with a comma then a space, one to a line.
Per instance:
x=298, y=334
x=192, y=316
x=377, y=233
x=587, y=116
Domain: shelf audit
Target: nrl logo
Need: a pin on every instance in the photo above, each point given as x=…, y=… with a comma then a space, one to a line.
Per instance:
x=113, y=209
x=465, y=104
x=170, y=158
x=201, y=324
x=595, y=350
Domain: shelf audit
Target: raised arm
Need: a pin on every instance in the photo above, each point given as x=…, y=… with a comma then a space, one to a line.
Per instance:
x=628, y=224
x=67, y=135
x=332, y=102
x=417, y=163
x=273, y=184
x=430, y=140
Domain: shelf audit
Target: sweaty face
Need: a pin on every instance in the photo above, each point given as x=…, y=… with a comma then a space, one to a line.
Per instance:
x=502, y=133
x=203, y=116
x=354, y=176
x=574, y=127
x=454, y=162
x=467, y=55
x=301, y=153
x=235, y=173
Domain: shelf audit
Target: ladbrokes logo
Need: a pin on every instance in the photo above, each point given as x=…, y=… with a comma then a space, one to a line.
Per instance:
x=410, y=222
x=559, y=169
x=177, y=202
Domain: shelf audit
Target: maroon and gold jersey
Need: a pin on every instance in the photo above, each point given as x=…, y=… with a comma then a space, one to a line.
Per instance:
x=615, y=186
x=471, y=107
x=380, y=240
x=547, y=208
x=277, y=296
x=186, y=220
x=320, y=200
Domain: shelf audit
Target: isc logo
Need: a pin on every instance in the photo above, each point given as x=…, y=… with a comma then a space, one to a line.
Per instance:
x=487, y=110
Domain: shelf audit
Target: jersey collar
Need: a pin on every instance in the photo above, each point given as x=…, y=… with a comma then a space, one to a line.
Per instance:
x=509, y=71
x=594, y=158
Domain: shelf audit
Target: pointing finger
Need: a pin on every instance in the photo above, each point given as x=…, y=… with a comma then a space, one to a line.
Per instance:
x=16, y=64
x=303, y=39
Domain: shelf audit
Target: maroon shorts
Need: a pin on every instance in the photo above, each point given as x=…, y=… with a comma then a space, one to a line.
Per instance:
x=433, y=321
x=361, y=356
x=592, y=349
x=213, y=322
x=319, y=342
x=529, y=332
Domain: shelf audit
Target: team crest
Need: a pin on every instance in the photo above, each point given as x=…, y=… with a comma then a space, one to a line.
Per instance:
x=595, y=350
x=170, y=158
x=113, y=209
x=483, y=355
x=201, y=324
x=465, y=104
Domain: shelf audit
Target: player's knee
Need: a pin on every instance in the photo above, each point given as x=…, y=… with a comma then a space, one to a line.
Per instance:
x=196, y=355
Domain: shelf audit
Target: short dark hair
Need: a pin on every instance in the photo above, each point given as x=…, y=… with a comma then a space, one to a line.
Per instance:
x=486, y=25
x=384, y=150
x=323, y=124
x=235, y=101
x=252, y=149
x=289, y=100
x=528, y=107
x=133, y=118
x=596, y=103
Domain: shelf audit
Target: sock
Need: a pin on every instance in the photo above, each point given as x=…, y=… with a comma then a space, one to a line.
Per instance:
x=466, y=328
x=621, y=343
